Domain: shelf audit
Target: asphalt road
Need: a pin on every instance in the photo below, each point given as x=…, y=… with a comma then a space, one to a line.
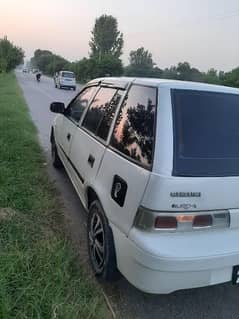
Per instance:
x=219, y=302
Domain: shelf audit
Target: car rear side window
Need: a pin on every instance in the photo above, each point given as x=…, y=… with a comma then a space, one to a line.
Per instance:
x=80, y=103
x=135, y=126
x=101, y=112
x=68, y=75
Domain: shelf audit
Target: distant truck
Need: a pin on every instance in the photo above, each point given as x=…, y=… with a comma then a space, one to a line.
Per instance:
x=65, y=79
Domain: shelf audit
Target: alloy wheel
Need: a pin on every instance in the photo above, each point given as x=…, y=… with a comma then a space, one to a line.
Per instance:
x=97, y=242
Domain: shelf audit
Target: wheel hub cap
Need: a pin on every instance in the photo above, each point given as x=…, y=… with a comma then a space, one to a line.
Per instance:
x=96, y=241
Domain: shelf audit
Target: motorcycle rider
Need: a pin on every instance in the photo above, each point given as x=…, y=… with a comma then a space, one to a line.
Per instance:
x=38, y=76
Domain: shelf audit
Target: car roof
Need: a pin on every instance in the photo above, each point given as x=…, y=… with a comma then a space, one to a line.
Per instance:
x=172, y=84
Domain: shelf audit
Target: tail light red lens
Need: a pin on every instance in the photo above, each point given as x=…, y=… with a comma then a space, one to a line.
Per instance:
x=149, y=220
x=166, y=222
x=202, y=221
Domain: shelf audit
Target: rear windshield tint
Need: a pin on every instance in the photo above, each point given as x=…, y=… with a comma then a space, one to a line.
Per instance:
x=206, y=133
x=68, y=75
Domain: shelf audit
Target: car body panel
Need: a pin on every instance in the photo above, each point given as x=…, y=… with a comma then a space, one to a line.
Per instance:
x=114, y=165
x=83, y=147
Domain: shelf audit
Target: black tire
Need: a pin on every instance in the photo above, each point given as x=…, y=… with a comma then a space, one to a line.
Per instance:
x=74, y=88
x=100, y=242
x=56, y=161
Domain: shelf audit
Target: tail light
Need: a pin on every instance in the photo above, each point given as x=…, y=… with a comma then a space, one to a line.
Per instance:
x=202, y=221
x=165, y=222
x=151, y=220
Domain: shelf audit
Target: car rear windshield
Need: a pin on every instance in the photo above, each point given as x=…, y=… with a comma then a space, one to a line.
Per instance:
x=206, y=133
x=68, y=75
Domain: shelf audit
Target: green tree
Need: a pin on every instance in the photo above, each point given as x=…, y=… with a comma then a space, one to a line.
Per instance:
x=141, y=64
x=183, y=71
x=48, y=62
x=106, y=38
x=211, y=76
x=109, y=66
x=10, y=55
x=221, y=75
x=84, y=69
x=87, y=69
x=170, y=73
x=230, y=78
x=141, y=58
x=186, y=73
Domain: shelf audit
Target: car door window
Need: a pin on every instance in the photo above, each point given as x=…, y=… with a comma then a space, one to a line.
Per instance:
x=133, y=134
x=101, y=112
x=80, y=103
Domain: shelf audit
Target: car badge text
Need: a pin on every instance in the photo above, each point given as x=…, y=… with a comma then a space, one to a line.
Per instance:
x=185, y=194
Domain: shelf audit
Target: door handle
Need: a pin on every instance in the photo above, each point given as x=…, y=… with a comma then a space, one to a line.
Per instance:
x=91, y=160
x=68, y=136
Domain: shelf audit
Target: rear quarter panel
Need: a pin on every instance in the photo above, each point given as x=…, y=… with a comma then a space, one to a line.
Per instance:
x=136, y=178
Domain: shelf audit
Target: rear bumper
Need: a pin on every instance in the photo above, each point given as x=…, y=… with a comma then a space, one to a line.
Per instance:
x=69, y=85
x=164, y=263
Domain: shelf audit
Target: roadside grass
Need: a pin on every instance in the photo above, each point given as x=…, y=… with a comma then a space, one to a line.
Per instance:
x=40, y=276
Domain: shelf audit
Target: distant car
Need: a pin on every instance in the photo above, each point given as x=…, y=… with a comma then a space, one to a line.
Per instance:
x=24, y=70
x=65, y=79
x=35, y=71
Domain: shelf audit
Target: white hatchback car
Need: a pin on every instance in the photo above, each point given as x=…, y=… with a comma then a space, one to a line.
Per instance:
x=156, y=165
x=65, y=79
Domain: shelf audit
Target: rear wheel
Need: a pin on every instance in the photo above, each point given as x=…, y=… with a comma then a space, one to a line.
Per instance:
x=101, y=244
x=56, y=161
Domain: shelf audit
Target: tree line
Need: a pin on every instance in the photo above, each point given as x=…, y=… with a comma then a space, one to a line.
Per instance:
x=10, y=55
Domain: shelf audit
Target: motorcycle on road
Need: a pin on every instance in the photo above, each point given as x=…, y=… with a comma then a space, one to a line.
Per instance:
x=38, y=77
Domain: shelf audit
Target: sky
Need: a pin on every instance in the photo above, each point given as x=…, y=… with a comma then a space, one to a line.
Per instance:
x=204, y=33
